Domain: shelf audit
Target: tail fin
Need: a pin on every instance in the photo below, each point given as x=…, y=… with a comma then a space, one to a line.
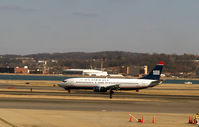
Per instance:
x=156, y=72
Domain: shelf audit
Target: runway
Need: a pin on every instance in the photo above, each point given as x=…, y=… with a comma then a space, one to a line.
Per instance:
x=23, y=107
x=162, y=103
x=52, y=90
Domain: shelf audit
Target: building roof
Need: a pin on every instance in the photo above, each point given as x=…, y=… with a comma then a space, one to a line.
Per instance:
x=86, y=70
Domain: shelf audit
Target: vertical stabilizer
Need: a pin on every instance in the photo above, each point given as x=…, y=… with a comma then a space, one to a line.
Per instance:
x=156, y=72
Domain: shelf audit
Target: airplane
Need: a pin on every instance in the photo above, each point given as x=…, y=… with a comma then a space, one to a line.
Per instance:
x=110, y=84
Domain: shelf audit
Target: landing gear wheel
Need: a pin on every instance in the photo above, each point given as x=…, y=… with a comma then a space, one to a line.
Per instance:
x=111, y=94
x=68, y=90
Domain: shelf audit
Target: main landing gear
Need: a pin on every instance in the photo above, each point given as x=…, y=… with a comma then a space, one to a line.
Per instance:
x=111, y=94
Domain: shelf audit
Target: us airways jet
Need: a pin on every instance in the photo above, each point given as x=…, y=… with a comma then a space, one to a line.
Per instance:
x=111, y=84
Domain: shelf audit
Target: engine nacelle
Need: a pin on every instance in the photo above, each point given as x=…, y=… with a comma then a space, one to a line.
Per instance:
x=99, y=89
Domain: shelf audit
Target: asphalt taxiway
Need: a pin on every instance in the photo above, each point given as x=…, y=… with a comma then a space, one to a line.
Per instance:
x=107, y=105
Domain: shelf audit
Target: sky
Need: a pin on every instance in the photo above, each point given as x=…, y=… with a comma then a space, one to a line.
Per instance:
x=58, y=26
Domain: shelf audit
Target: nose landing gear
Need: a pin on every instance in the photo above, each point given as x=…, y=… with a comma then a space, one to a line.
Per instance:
x=68, y=90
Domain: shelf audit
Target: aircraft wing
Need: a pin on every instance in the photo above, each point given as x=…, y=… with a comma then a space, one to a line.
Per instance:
x=110, y=86
x=113, y=87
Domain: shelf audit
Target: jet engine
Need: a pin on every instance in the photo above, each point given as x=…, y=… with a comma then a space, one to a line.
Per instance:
x=99, y=89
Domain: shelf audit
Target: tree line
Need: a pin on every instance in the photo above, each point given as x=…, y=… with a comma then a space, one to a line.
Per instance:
x=185, y=63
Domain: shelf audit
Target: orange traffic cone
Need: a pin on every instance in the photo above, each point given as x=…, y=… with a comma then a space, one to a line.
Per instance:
x=195, y=122
x=190, y=121
x=142, y=118
x=153, y=119
x=131, y=118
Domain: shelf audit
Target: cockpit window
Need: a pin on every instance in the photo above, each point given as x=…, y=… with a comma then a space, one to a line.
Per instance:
x=64, y=81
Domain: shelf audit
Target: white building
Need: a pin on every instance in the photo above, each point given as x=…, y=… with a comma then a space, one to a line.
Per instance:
x=89, y=72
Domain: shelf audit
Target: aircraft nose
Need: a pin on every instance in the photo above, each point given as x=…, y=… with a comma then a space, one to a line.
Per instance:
x=61, y=84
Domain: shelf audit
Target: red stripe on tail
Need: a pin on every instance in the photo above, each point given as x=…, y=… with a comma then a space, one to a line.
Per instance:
x=161, y=63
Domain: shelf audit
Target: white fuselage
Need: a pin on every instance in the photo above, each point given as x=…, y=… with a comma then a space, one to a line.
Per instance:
x=124, y=84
